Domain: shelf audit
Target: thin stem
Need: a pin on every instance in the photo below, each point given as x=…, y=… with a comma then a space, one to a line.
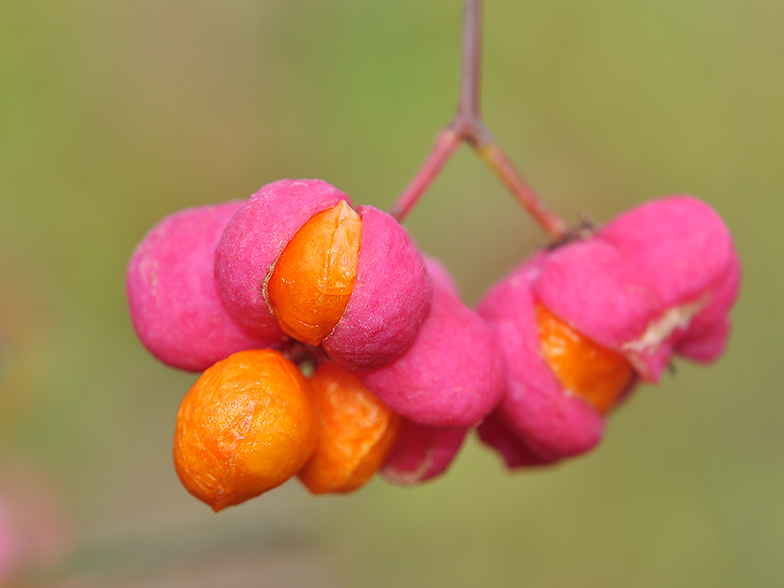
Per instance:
x=492, y=154
x=467, y=126
x=446, y=144
x=470, y=80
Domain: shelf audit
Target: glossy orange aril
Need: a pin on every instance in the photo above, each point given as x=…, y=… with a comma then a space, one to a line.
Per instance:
x=356, y=432
x=583, y=367
x=246, y=426
x=313, y=278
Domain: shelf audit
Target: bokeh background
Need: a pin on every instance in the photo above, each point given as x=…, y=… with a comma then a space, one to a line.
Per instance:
x=114, y=114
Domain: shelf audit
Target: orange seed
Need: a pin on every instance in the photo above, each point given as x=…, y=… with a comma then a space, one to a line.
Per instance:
x=246, y=426
x=314, y=276
x=356, y=432
x=585, y=368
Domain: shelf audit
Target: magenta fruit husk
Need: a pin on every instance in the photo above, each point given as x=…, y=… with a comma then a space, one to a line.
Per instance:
x=254, y=239
x=452, y=375
x=422, y=453
x=658, y=278
x=513, y=449
x=175, y=306
x=535, y=406
x=656, y=281
x=391, y=297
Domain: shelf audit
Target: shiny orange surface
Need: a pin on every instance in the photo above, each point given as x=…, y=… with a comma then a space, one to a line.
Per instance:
x=584, y=368
x=356, y=432
x=313, y=278
x=246, y=426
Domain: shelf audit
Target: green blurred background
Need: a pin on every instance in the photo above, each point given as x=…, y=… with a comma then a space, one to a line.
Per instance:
x=114, y=114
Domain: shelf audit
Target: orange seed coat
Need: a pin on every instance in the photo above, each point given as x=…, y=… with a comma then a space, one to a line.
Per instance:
x=582, y=366
x=313, y=278
x=356, y=432
x=246, y=426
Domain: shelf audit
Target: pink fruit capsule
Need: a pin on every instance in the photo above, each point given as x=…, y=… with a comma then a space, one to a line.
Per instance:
x=452, y=375
x=175, y=306
x=656, y=281
x=254, y=239
x=513, y=448
x=364, y=320
x=422, y=453
x=390, y=299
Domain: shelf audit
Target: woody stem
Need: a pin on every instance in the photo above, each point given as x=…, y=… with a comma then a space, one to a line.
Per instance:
x=467, y=126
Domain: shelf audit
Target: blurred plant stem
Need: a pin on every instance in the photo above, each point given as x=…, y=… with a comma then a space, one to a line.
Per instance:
x=468, y=126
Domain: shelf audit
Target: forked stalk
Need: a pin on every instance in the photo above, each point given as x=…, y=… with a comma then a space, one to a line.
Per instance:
x=467, y=126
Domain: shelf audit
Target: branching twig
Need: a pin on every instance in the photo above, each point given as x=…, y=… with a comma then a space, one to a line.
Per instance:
x=467, y=126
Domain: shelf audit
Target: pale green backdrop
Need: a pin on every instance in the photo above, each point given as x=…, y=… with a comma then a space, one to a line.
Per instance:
x=114, y=114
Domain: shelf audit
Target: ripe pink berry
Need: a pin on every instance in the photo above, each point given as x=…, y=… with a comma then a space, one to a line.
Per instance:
x=535, y=405
x=657, y=280
x=421, y=453
x=452, y=375
x=659, y=276
x=514, y=449
x=255, y=238
x=175, y=305
x=391, y=293
x=391, y=297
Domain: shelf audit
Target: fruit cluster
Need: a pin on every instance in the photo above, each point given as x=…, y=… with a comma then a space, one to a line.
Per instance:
x=296, y=280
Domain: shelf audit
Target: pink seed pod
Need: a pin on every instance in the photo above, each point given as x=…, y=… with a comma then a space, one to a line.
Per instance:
x=660, y=276
x=452, y=375
x=390, y=300
x=515, y=452
x=255, y=238
x=440, y=276
x=421, y=453
x=175, y=306
x=390, y=296
x=680, y=242
x=658, y=280
x=685, y=245
x=535, y=405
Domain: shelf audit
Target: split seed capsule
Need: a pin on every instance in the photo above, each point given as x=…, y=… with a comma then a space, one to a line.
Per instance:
x=314, y=277
x=596, y=374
